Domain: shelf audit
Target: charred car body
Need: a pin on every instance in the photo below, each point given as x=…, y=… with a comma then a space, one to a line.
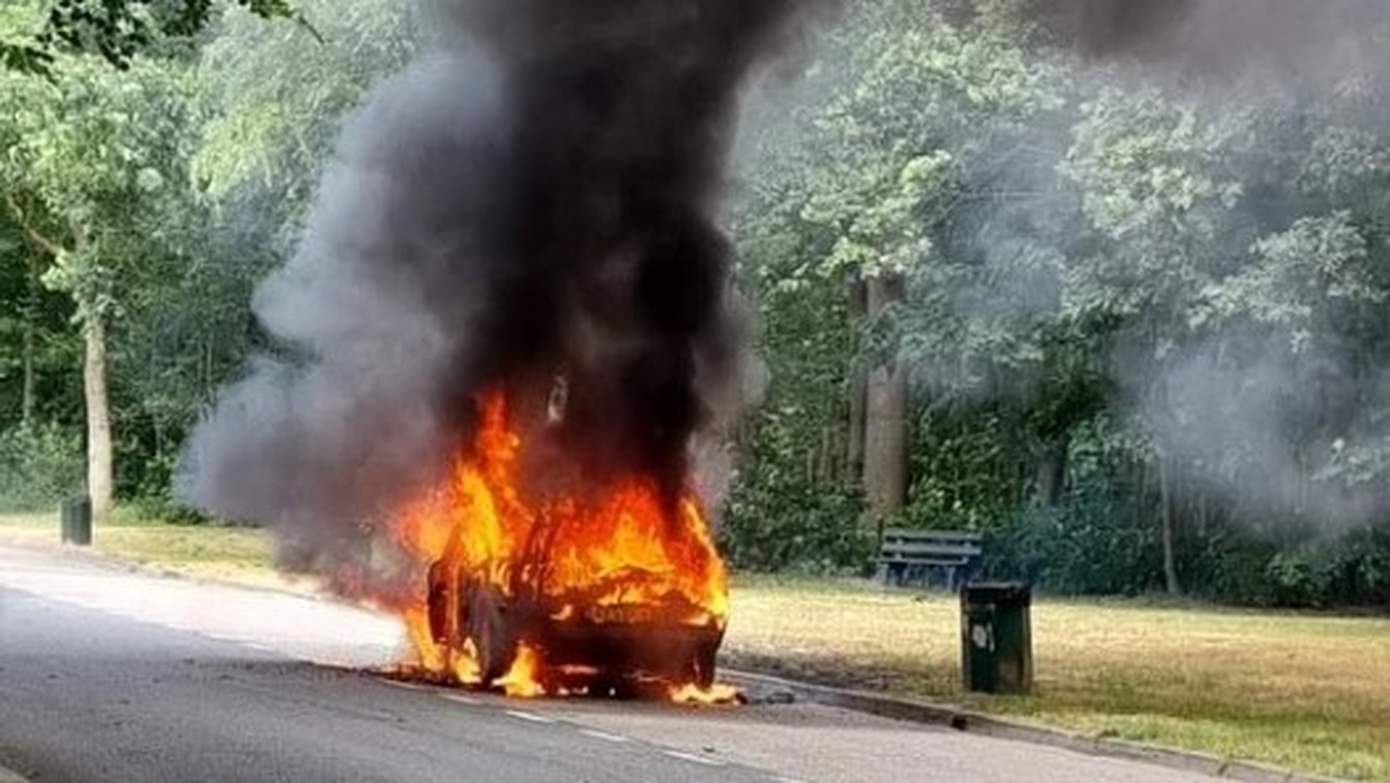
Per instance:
x=610, y=648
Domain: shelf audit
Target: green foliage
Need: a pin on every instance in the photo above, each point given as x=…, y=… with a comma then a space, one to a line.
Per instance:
x=39, y=466
x=1298, y=578
x=20, y=22
x=88, y=149
x=127, y=177
x=775, y=521
x=1092, y=544
x=920, y=104
x=39, y=319
x=795, y=525
x=962, y=464
x=24, y=59
x=1362, y=575
x=1349, y=570
x=1298, y=279
x=280, y=97
x=120, y=30
x=1232, y=565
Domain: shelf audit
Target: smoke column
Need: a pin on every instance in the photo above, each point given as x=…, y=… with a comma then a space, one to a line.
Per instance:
x=533, y=199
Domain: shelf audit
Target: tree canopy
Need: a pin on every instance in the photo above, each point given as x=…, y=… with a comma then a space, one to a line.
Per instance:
x=117, y=30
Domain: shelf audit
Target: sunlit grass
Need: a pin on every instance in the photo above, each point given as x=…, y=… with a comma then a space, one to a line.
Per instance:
x=239, y=555
x=1304, y=691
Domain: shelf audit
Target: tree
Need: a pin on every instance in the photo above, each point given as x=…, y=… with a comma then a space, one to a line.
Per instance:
x=82, y=154
x=186, y=326
x=917, y=111
x=35, y=347
x=280, y=98
x=1150, y=171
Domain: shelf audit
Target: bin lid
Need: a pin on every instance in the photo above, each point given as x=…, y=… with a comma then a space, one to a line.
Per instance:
x=1008, y=593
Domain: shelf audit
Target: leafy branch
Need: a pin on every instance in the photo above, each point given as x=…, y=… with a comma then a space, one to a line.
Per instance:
x=30, y=232
x=118, y=30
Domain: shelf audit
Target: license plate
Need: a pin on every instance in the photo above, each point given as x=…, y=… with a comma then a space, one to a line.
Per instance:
x=620, y=615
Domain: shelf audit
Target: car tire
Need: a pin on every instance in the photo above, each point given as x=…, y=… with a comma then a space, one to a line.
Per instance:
x=490, y=629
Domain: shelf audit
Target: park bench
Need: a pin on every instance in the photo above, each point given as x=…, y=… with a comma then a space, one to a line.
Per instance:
x=908, y=556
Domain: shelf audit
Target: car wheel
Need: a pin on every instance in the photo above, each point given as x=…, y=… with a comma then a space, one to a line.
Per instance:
x=490, y=629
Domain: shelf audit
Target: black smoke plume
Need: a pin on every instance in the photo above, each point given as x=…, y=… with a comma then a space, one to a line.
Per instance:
x=529, y=207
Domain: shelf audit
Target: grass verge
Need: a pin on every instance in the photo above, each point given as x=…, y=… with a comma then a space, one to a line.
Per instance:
x=239, y=555
x=1305, y=691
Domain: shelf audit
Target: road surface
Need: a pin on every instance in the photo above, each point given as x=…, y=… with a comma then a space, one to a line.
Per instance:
x=110, y=675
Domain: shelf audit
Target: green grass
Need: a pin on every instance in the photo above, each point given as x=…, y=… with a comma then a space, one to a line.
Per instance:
x=1305, y=691
x=238, y=555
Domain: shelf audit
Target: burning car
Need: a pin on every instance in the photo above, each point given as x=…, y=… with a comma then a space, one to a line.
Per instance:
x=570, y=642
x=615, y=592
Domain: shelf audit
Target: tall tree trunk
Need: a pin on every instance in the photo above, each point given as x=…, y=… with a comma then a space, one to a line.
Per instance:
x=31, y=310
x=858, y=387
x=43, y=245
x=1052, y=471
x=1203, y=515
x=1165, y=500
x=99, y=472
x=825, y=458
x=885, y=430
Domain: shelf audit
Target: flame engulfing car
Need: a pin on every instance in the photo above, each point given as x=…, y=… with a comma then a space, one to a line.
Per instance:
x=608, y=590
x=570, y=642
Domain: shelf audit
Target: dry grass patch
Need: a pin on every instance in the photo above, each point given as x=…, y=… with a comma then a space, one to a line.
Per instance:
x=1304, y=691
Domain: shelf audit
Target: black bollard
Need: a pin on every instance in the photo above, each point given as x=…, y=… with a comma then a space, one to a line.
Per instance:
x=77, y=521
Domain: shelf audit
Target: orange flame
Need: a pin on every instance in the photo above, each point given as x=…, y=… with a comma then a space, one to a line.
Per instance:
x=431, y=655
x=618, y=552
x=693, y=694
x=465, y=664
x=522, y=681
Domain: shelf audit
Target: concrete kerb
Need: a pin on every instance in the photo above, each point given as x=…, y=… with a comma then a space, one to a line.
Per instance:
x=10, y=776
x=961, y=719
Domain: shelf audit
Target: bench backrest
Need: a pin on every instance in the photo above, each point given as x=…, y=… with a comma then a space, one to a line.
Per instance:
x=905, y=544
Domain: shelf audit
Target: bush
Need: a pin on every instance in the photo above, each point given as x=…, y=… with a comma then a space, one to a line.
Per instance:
x=1300, y=579
x=1351, y=569
x=149, y=491
x=39, y=466
x=774, y=527
x=1089, y=545
x=1231, y=566
x=1362, y=576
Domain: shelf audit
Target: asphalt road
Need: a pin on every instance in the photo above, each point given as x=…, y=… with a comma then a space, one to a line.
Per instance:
x=109, y=675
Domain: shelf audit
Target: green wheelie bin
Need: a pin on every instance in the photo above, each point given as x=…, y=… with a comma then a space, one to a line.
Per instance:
x=997, y=637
